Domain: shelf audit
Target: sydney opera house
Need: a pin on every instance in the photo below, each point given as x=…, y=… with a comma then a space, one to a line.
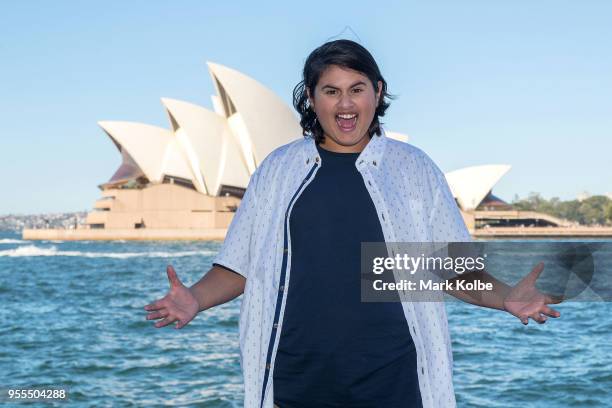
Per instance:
x=192, y=175
x=186, y=181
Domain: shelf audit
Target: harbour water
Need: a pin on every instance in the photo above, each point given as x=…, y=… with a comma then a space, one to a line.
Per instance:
x=72, y=317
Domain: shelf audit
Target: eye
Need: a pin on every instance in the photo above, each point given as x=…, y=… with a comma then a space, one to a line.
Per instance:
x=357, y=90
x=330, y=92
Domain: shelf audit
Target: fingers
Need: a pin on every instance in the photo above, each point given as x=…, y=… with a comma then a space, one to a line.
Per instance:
x=165, y=308
x=167, y=320
x=174, y=281
x=157, y=305
x=536, y=271
x=539, y=316
x=172, y=277
x=180, y=324
x=548, y=311
x=536, y=316
x=157, y=315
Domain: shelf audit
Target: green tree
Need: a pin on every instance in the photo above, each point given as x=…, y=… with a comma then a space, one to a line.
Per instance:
x=593, y=210
x=609, y=213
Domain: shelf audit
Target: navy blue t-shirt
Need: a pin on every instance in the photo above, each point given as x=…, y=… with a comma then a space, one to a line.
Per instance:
x=334, y=350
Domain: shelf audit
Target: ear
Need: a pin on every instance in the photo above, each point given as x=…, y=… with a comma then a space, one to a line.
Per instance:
x=378, y=93
x=310, y=98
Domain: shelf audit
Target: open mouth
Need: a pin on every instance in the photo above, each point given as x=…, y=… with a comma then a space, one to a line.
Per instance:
x=347, y=122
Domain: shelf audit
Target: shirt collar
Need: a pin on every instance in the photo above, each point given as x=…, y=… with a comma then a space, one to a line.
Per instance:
x=371, y=155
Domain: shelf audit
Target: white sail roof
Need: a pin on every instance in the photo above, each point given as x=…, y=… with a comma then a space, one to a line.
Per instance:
x=152, y=148
x=213, y=154
x=269, y=121
x=470, y=185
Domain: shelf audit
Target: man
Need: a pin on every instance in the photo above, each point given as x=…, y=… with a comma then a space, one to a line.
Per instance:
x=293, y=249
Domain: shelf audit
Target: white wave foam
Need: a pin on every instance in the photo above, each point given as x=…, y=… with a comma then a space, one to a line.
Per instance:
x=32, y=250
x=11, y=241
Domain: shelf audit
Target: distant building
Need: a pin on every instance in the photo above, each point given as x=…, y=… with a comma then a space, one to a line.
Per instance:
x=472, y=188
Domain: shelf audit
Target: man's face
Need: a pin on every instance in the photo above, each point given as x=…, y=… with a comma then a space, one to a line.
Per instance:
x=344, y=102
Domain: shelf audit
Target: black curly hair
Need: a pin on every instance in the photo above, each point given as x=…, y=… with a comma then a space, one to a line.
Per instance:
x=346, y=54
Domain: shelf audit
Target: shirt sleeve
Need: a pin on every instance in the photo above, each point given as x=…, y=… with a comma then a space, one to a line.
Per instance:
x=235, y=253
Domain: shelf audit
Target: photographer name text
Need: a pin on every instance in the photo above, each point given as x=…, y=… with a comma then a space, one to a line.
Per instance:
x=450, y=285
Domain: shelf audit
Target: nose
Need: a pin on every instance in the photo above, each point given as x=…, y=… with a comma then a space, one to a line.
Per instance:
x=346, y=101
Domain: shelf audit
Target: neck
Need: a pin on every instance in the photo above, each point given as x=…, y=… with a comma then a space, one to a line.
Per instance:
x=333, y=146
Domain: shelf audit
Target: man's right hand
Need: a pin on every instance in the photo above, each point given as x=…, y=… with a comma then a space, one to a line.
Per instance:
x=179, y=305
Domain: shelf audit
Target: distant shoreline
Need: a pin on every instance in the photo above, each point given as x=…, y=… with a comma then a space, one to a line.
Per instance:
x=146, y=234
x=19, y=222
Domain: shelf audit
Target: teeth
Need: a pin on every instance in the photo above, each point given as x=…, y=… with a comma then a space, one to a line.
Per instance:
x=347, y=116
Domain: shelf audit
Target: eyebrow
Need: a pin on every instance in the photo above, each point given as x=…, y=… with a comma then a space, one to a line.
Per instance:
x=355, y=84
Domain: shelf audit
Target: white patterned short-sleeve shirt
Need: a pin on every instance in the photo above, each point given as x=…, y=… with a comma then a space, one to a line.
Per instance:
x=414, y=204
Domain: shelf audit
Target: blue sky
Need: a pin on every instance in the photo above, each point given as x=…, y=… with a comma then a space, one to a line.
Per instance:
x=527, y=83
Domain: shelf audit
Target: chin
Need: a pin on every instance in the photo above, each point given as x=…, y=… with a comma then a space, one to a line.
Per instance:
x=349, y=139
x=343, y=141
